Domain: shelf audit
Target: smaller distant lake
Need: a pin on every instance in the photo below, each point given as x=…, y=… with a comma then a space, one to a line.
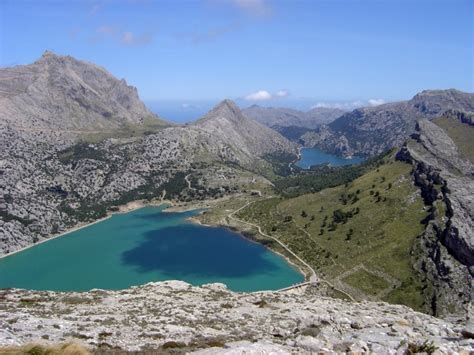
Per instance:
x=315, y=156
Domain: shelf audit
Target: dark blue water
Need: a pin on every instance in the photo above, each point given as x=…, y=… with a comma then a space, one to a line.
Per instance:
x=315, y=156
x=142, y=246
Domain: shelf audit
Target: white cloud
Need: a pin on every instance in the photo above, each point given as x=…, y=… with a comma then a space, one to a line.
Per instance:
x=185, y=105
x=209, y=34
x=264, y=95
x=345, y=105
x=376, y=102
x=253, y=7
x=260, y=95
x=106, y=30
x=129, y=39
x=126, y=38
x=349, y=105
x=95, y=8
x=282, y=93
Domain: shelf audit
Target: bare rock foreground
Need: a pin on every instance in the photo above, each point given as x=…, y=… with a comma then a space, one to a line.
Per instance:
x=175, y=316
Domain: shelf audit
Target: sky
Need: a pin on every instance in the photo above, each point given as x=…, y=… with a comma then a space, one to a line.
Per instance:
x=184, y=56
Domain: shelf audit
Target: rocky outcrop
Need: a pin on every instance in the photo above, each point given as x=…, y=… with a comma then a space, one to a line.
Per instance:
x=372, y=130
x=446, y=248
x=175, y=316
x=61, y=93
x=287, y=117
x=228, y=123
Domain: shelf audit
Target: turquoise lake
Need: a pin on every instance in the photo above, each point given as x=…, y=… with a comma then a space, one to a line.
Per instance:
x=315, y=156
x=142, y=246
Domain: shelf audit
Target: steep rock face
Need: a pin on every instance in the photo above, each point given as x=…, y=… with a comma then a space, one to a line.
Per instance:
x=63, y=93
x=286, y=117
x=372, y=130
x=175, y=315
x=445, y=178
x=227, y=122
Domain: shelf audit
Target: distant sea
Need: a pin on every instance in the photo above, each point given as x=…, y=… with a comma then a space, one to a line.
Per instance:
x=185, y=111
x=180, y=112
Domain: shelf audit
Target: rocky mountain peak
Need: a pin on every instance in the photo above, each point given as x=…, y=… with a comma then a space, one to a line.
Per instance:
x=48, y=53
x=63, y=93
x=227, y=122
x=434, y=92
x=50, y=57
x=227, y=108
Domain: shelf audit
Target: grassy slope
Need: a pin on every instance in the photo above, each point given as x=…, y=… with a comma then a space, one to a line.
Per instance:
x=377, y=251
x=462, y=134
x=149, y=126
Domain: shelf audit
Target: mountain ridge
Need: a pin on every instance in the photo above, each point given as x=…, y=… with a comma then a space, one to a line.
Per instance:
x=227, y=121
x=62, y=93
x=371, y=130
x=287, y=117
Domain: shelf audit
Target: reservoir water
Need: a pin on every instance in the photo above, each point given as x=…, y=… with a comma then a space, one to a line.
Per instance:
x=146, y=245
x=315, y=156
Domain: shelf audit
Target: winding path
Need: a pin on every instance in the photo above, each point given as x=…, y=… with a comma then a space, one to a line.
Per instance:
x=312, y=279
x=189, y=182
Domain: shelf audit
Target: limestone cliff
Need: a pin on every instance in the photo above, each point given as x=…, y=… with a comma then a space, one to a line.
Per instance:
x=445, y=176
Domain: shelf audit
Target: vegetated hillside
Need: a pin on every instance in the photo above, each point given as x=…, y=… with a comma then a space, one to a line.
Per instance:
x=358, y=235
x=373, y=130
x=61, y=93
x=401, y=232
x=287, y=117
x=320, y=177
x=459, y=126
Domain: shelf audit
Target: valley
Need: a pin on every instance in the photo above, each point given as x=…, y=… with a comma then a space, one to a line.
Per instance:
x=394, y=226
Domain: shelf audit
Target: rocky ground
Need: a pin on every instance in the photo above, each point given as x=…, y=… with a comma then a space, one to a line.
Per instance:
x=173, y=315
x=445, y=177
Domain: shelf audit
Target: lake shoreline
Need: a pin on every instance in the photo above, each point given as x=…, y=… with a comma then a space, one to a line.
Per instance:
x=128, y=207
x=172, y=207
x=125, y=208
x=247, y=236
x=319, y=157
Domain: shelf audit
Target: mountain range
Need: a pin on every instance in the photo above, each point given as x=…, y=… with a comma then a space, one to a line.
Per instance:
x=372, y=130
x=287, y=117
x=66, y=161
x=77, y=143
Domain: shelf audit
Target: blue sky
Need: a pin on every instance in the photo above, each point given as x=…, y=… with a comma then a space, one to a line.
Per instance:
x=285, y=53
